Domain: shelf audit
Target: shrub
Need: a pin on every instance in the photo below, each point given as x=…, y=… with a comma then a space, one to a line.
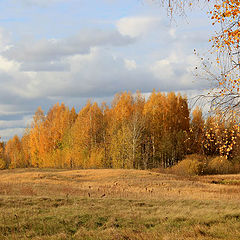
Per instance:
x=236, y=164
x=220, y=165
x=188, y=167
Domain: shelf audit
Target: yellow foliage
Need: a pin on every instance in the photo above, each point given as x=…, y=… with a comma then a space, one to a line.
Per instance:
x=134, y=133
x=96, y=159
x=188, y=167
x=2, y=164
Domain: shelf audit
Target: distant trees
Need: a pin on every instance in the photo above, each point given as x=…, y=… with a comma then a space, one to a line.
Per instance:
x=86, y=132
x=167, y=121
x=2, y=162
x=196, y=134
x=14, y=153
x=133, y=133
x=121, y=116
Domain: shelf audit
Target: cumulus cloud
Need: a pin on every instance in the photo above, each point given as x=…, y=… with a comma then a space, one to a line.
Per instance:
x=43, y=55
x=98, y=73
x=163, y=69
x=26, y=120
x=8, y=133
x=92, y=64
x=130, y=64
x=176, y=72
x=11, y=127
x=4, y=40
x=45, y=66
x=38, y=73
x=137, y=26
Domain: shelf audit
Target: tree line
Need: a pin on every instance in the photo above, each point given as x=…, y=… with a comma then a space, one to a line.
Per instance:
x=132, y=133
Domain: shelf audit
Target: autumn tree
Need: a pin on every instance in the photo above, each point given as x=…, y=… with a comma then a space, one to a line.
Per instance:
x=106, y=135
x=167, y=123
x=176, y=128
x=225, y=74
x=210, y=139
x=154, y=113
x=121, y=113
x=14, y=153
x=225, y=43
x=3, y=163
x=87, y=137
x=67, y=140
x=133, y=133
x=196, y=133
x=126, y=128
x=46, y=136
x=25, y=144
x=34, y=141
x=53, y=129
x=137, y=129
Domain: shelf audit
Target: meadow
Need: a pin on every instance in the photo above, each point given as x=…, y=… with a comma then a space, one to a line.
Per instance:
x=117, y=204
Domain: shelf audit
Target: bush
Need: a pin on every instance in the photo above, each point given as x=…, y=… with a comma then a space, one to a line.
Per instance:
x=220, y=165
x=189, y=167
x=236, y=164
x=196, y=164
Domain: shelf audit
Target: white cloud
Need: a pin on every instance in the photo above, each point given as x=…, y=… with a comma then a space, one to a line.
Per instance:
x=51, y=66
x=130, y=64
x=26, y=120
x=176, y=71
x=163, y=69
x=8, y=66
x=8, y=133
x=47, y=55
x=93, y=64
x=98, y=73
x=4, y=40
x=137, y=26
x=172, y=32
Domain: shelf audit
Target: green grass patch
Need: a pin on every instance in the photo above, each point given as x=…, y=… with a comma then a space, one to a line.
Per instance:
x=56, y=218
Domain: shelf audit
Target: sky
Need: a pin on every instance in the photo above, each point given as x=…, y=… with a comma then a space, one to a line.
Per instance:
x=74, y=50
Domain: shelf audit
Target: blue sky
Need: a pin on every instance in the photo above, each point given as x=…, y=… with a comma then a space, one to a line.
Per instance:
x=73, y=50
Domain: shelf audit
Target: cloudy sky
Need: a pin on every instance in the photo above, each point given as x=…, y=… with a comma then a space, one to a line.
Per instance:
x=73, y=50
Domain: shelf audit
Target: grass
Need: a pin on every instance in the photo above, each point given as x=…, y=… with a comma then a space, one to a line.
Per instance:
x=117, y=204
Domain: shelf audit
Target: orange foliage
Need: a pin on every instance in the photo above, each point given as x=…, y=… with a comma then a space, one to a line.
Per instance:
x=134, y=133
x=226, y=15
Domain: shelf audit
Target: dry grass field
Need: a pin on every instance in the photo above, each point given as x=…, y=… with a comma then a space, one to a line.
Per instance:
x=117, y=204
